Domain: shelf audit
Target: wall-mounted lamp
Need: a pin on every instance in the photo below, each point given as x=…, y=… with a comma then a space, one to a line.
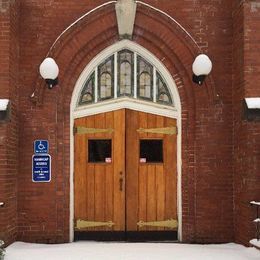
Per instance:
x=49, y=70
x=201, y=67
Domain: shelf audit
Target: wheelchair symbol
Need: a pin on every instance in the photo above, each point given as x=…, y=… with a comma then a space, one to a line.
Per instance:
x=41, y=146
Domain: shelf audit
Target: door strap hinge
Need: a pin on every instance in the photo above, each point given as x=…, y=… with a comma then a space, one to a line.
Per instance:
x=165, y=130
x=80, y=224
x=170, y=223
x=85, y=130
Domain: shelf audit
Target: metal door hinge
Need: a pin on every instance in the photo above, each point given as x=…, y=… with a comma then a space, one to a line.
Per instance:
x=165, y=130
x=170, y=223
x=80, y=224
x=86, y=130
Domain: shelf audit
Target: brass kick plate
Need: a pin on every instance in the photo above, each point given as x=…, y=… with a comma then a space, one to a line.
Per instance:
x=170, y=223
x=85, y=130
x=80, y=224
x=165, y=130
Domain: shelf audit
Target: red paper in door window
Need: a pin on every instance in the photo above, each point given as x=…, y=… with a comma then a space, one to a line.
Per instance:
x=108, y=160
x=142, y=160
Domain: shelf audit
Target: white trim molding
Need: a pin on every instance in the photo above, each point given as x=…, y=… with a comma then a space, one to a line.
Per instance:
x=130, y=103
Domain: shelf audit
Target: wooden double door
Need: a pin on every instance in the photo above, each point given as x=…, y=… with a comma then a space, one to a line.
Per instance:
x=125, y=177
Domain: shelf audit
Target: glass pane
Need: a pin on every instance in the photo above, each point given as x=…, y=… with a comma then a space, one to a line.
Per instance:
x=99, y=151
x=106, y=79
x=163, y=95
x=144, y=79
x=125, y=73
x=88, y=93
x=151, y=151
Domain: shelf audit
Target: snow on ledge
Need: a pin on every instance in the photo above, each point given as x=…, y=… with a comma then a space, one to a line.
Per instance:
x=253, y=103
x=255, y=203
x=3, y=104
x=255, y=243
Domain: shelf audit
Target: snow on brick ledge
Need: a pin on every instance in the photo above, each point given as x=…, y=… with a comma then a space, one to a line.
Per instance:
x=255, y=243
x=3, y=104
x=253, y=103
x=255, y=203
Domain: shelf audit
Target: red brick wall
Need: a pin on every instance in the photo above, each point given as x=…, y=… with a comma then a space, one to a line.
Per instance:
x=246, y=134
x=209, y=113
x=207, y=119
x=9, y=54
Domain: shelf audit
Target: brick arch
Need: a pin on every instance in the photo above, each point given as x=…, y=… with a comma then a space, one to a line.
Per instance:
x=162, y=37
x=153, y=30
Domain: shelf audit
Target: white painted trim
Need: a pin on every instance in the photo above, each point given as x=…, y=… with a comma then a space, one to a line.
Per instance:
x=96, y=84
x=154, y=85
x=128, y=103
x=135, y=75
x=148, y=107
x=115, y=75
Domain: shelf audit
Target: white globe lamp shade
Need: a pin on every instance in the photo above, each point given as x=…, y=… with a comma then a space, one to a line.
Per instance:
x=49, y=69
x=202, y=65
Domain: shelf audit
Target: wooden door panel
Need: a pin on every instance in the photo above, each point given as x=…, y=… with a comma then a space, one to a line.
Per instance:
x=125, y=191
x=97, y=194
x=156, y=197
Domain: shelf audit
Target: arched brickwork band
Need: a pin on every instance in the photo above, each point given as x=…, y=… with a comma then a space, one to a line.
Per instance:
x=159, y=35
x=181, y=59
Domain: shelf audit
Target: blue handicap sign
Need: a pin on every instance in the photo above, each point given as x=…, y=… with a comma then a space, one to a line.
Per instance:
x=41, y=147
x=41, y=168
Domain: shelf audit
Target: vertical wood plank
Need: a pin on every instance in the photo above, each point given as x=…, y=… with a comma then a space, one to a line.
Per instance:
x=90, y=173
x=119, y=167
x=132, y=155
x=151, y=195
x=170, y=172
x=160, y=193
x=109, y=175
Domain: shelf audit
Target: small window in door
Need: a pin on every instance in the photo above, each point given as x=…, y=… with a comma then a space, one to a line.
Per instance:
x=99, y=151
x=151, y=151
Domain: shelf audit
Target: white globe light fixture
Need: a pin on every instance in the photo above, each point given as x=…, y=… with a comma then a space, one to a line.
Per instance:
x=201, y=67
x=49, y=70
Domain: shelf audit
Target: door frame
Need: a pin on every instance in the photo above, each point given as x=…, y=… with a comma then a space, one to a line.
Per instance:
x=127, y=103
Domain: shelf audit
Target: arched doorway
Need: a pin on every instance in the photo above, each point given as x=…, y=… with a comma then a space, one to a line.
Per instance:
x=125, y=151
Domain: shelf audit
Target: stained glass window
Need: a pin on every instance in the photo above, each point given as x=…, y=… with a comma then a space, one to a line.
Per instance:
x=88, y=92
x=144, y=79
x=163, y=95
x=106, y=79
x=125, y=73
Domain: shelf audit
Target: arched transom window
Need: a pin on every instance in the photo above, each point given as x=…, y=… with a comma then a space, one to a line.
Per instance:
x=125, y=74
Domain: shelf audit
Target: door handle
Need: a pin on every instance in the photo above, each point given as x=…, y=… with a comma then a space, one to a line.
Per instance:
x=121, y=181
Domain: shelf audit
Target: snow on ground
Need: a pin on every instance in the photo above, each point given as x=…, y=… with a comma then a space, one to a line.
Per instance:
x=129, y=251
x=255, y=242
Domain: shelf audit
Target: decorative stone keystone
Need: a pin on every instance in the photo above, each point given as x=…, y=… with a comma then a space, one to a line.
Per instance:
x=125, y=14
